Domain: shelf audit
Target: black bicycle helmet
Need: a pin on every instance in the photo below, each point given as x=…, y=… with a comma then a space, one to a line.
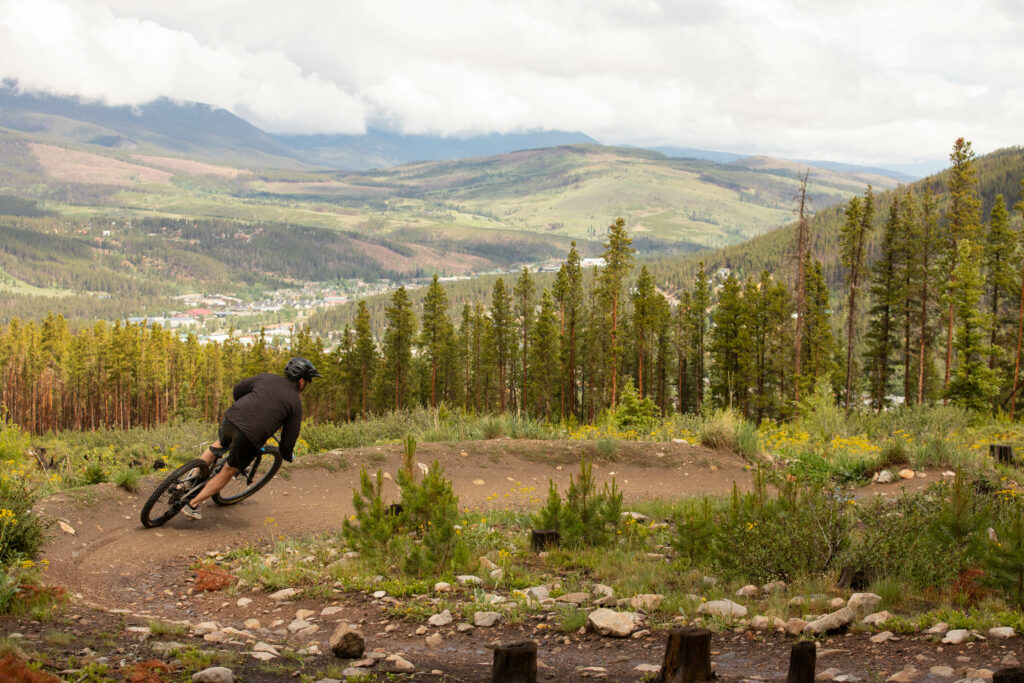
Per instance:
x=300, y=368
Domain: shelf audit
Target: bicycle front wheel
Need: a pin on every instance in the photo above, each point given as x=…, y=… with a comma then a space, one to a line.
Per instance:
x=249, y=480
x=170, y=495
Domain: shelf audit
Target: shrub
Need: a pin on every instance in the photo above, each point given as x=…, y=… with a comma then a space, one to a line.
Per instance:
x=127, y=478
x=718, y=430
x=607, y=447
x=14, y=442
x=821, y=417
x=799, y=533
x=586, y=517
x=421, y=536
x=633, y=412
x=429, y=509
x=21, y=533
x=748, y=441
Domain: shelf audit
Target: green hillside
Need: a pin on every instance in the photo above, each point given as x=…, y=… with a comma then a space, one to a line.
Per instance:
x=999, y=173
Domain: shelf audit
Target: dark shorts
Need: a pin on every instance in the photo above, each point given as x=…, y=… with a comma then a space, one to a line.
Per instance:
x=241, y=451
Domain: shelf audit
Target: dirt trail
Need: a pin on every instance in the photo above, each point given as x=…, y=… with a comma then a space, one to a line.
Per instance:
x=134, y=575
x=111, y=560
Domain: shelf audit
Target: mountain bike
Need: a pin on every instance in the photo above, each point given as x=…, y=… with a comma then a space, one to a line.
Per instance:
x=184, y=483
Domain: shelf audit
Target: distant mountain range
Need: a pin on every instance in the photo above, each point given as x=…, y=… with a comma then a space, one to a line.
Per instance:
x=215, y=134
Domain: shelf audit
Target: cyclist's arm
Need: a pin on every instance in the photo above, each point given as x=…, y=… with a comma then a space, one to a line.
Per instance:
x=289, y=435
x=243, y=387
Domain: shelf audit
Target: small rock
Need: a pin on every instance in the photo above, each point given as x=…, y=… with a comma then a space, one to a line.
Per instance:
x=608, y=622
x=205, y=627
x=297, y=625
x=244, y=602
x=760, y=623
x=836, y=603
x=884, y=477
x=442, y=587
x=497, y=574
x=1010, y=660
x=469, y=580
x=795, y=626
x=284, y=594
x=722, y=608
x=398, y=663
x=379, y=594
x=863, y=603
x=573, y=598
x=956, y=636
x=906, y=474
x=647, y=668
x=938, y=629
x=422, y=631
x=599, y=590
x=328, y=611
x=905, y=676
x=877, y=618
x=442, y=619
x=487, y=564
x=1001, y=632
x=828, y=674
x=646, y=601
x=486, y=619
x=252, y=624
x=347, y=642
x=830, y=623
x=538, y=593
x=464, y=627
x=941, y=671
x=773, y=587
x=214, y=674
x=882, y=637
x=979, y=674
x=748, y=591
x=434, y=641
x=262, y=656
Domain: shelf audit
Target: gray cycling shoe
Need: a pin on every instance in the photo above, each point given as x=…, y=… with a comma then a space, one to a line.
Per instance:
x=189, y=511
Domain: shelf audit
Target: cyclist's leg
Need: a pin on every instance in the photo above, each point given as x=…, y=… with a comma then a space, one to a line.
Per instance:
x=241, y=453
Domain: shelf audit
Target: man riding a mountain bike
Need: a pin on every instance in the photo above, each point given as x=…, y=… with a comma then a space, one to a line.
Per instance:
x=263, y=404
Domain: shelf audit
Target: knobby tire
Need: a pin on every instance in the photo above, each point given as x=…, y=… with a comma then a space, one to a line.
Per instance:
x=259, y=481
x=174, y=501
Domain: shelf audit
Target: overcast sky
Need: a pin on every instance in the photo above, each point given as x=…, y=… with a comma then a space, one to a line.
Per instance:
x=872, y=81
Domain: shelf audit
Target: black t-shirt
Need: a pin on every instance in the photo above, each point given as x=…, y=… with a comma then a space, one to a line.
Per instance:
x=263, y=404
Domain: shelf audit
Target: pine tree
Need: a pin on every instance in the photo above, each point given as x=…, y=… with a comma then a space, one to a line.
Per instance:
x=644, y=322
x=525, y=303
x=1000, y=270
x=963, y=222
x=618, y=260
x=729, y=348
x=701, y=301
x=365, y=355
x=1019, y=207
x=803, y=248
x=973, y=384
x=545, y=373
x=923, y=252
x=853, y=245
x=436, y=334
x=819, y=344
x=398, y=337
x=503, y=338
x=881, y=337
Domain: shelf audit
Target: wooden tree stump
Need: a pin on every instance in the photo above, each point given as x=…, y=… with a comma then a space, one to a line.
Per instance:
x=1001, y=452
x=542, y=539
x=802, y=660
x=687, y=656
x=515, y=663
x=1010, y=674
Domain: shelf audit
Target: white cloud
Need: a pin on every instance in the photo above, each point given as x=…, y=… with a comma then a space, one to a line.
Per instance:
x=875, y=81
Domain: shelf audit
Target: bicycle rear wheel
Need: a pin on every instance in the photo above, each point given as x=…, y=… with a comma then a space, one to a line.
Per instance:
x=170, y=495
x=251, y=479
